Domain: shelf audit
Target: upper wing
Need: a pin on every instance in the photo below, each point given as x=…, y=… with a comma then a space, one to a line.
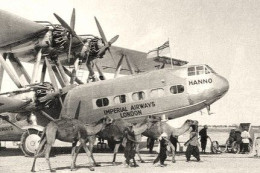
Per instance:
x=138, y=59
x=15, y=29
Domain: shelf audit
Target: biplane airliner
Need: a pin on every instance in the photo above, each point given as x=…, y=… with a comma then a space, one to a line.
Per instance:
x=152, y=88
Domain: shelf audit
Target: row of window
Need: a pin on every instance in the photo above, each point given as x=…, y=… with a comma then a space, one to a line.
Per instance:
x=140, y=95
x=198, y=70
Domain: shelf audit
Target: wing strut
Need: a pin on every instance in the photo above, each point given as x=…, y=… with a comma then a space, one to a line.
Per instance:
x=20, y=70
x=129, y=65
x=10, y=72
x=36, y=66
x=119, y=66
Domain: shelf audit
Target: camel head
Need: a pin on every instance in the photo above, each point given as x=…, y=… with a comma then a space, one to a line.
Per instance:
x=191, y=122
x=107, y=120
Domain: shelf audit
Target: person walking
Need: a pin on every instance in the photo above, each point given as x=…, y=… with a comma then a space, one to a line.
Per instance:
x=203, y=138
x=193, y=144
x=245, y=140
x=162, y=155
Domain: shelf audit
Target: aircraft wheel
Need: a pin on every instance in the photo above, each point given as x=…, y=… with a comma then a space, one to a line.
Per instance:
x=250, y=146
x=235, y=147
x=30, y=141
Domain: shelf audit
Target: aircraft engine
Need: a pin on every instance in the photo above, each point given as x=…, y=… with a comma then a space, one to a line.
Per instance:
x=59, y=37
x=37, y=96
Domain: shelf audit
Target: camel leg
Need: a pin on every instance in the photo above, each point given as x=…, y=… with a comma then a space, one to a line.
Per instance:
x=173, y=152
x=88, y=153
x=73, y=165
x=137, y=149
x=36, y=154
x=74, y=158
x=47, y=156
x=115, y=152
x=92, y=140
x=50, y=136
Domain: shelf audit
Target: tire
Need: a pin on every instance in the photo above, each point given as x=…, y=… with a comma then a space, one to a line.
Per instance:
x=250, y=146
x=215, y=149
x=30, y=141
x=235, y=147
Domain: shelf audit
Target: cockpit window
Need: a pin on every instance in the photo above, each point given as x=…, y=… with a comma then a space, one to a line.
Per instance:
x=209, y=69
x=198, y=70
x=191, y=71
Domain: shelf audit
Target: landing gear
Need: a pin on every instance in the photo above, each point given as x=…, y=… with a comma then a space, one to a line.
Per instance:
x=30, y=141
x=235, y=147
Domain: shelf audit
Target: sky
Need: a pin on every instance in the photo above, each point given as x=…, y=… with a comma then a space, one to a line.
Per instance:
x=225, y=34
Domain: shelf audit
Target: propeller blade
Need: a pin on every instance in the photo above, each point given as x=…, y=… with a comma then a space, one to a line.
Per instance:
x=101, y=31
x=69, y=51
x=72, y=20
x=102, y=50
x=72, y=26
x=64, y=24
x=113, y=39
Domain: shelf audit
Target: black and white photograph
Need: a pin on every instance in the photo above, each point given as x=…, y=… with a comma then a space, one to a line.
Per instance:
x=130, y=86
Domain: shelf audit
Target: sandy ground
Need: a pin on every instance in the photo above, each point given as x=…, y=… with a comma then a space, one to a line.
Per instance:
x=12, y=160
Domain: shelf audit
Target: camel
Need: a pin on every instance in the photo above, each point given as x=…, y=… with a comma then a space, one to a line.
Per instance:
x=69, y=130
x=158, y=128
x=115, y=133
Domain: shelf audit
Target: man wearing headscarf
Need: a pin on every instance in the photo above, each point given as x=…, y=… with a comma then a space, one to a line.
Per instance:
x=203, y=138
x=193, y=144
x=162, y=155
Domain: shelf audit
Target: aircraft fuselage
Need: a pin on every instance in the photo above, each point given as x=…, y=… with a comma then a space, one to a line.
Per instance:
x=173, y=92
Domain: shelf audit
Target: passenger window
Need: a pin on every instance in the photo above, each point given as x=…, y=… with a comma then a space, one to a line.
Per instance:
x=174, y=90
x=177, y=89
x=200, y=70
x=102, y=102
x=159, y=92
x=180, y=88
x=191, y=71
x=120, y=99
x=138, y=96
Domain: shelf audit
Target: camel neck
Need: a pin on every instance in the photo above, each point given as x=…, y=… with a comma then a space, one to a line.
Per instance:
x=93, y=129
x=139, y=129
x=181, y=130
x=175, y=131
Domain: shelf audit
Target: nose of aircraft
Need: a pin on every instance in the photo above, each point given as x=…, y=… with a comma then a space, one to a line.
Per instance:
x=222, y=85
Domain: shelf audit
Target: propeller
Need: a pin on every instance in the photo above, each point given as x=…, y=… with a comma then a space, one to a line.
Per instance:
x=107, y=45
x=70, y=29
x=72, y=34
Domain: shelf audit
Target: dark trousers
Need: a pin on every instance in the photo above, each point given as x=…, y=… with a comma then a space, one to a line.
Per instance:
x=244, y=147
x=203, y=144
x=192, y=150
x=161, y=157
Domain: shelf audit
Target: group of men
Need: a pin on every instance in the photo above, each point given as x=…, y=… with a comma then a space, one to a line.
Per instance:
x=193, y=144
